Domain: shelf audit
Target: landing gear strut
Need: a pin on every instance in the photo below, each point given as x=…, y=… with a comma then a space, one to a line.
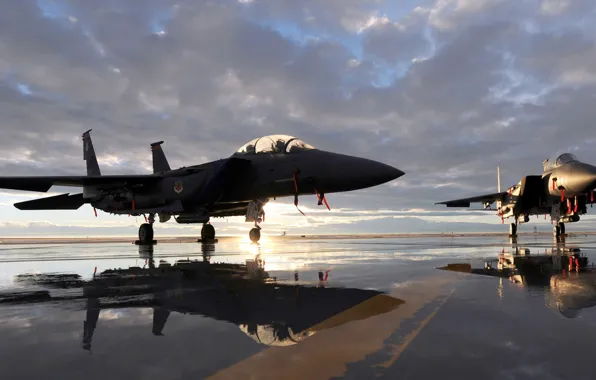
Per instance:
x=255, y=234
x=146, y=232
x=559, y=230
x=513, y=229
x=255, y=213
x=207, y=232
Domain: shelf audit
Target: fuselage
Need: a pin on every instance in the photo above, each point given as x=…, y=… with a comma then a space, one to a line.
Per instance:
x=307, y=172
x=264, y=176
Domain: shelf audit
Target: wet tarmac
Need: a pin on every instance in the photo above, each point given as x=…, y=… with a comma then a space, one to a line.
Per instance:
x=302, y=309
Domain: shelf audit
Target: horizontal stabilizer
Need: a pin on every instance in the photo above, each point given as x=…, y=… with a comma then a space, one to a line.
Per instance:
x=58, y=202
x=39, y=184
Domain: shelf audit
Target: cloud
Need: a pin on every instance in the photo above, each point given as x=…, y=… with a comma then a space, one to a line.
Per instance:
x=445, y=90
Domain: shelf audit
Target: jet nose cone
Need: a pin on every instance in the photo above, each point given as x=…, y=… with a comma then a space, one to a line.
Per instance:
x=582, y=178
x=334, y=172
x=387, y=173
x=590, y=177
x=372, y=173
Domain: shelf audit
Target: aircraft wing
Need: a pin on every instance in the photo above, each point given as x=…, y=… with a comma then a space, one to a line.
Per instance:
x=465, y=202
x=43, y=184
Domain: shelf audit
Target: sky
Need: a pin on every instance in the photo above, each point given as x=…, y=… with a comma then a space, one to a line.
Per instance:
x=444, y=90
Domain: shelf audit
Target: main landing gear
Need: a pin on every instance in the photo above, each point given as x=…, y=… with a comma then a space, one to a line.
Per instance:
x=559, y=230
x=207, y=233
x=146, y=232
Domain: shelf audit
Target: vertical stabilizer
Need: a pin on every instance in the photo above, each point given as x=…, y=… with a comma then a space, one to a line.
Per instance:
x=160, y=162
x=89, y=155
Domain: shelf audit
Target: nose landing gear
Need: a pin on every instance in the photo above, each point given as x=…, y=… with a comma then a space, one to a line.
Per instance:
x=255, y=213
x=559, y=230
x=255, y=234
x=513, y=230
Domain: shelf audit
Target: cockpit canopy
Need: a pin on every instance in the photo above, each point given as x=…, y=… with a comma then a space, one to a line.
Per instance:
x=274, y=144
x=557, y=161
x=275, y=335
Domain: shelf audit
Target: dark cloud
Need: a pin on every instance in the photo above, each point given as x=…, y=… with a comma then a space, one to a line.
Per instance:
x=445, y=90
x=397, y=41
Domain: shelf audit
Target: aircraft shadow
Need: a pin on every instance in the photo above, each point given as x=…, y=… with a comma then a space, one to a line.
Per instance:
x=271, y=312
x=563, y=273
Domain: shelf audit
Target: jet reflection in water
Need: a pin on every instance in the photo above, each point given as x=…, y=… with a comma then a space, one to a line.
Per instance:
x=563, y=273
x=274, y=313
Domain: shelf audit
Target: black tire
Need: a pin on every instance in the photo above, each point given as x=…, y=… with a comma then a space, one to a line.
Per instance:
x=254, y=235
x=513, y=229
x=557, y=231
x=562, y=228
x=208, y=232
x=146, y=233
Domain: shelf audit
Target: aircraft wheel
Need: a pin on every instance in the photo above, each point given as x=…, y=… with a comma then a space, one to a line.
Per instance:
x=146, y=233
x=208, y=232
x=562, y=228
x=513, y=229
x=255, y=235
x=557, y=231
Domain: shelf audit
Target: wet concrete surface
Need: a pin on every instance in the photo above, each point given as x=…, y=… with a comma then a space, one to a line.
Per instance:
x=316, y=309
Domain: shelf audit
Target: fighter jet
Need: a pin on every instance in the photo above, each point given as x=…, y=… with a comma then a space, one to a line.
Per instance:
x=267, y=167
x=563, y=190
